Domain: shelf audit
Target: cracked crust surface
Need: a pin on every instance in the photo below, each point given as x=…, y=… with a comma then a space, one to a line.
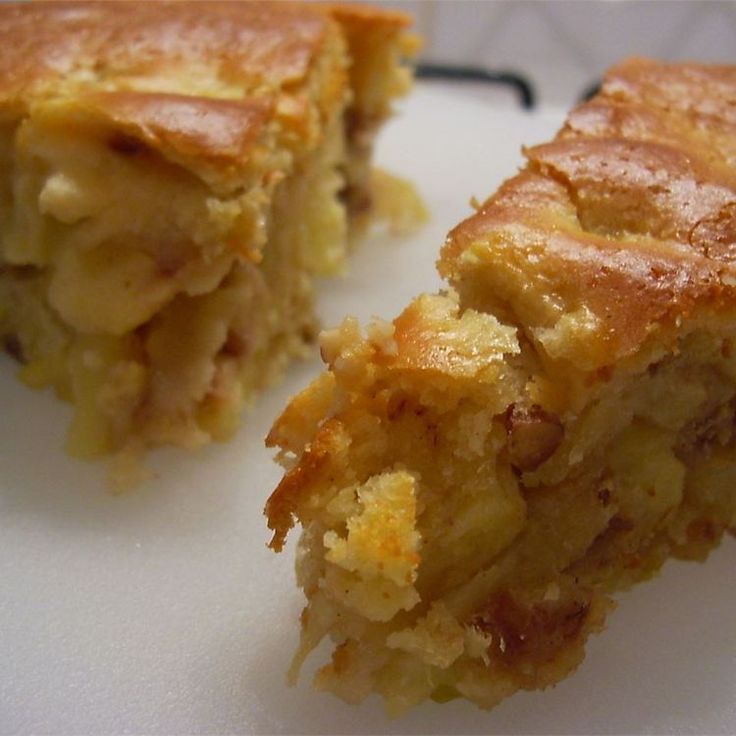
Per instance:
x=626, y=217
x=206, y=76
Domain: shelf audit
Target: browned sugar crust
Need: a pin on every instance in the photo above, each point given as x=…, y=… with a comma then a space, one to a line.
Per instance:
x=136, y=56
x=630, y=213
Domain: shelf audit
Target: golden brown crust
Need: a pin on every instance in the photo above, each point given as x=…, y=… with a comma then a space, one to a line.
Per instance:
x=630, y=285
x=367, y=15
x=694, y=89
x=122, y=41
x=259, y=55
x=626, y=216
x=220, y=130
x=292, y=491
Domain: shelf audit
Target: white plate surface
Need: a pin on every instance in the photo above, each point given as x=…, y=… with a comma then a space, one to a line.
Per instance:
x=162, y=611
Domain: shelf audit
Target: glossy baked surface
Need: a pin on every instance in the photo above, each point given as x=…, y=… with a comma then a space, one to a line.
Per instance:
x=627, y=215
x=228, y=61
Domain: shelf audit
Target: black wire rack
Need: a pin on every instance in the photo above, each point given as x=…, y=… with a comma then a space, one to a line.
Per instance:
x=516, y=81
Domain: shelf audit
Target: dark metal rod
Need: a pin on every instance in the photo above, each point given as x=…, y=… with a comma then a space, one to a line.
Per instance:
x=477, y=74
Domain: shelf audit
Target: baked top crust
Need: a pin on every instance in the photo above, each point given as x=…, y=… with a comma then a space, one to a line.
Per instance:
x=242, y=45
x=206, y=74
x=627, y=221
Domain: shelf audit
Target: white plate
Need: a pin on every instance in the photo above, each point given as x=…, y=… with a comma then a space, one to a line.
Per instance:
x=162, y=611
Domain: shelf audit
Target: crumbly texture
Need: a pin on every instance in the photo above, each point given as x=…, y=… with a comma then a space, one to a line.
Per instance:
x=174, y=176
x=475, y=479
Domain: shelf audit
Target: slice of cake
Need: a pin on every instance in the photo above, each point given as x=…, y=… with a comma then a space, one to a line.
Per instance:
x=173, y=177
x=475, y=479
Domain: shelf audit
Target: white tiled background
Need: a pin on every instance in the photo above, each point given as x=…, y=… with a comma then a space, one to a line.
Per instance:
x=564, y=46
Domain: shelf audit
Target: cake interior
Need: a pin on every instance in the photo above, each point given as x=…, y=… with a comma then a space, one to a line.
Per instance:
x=472, y=540
x=146, y=298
